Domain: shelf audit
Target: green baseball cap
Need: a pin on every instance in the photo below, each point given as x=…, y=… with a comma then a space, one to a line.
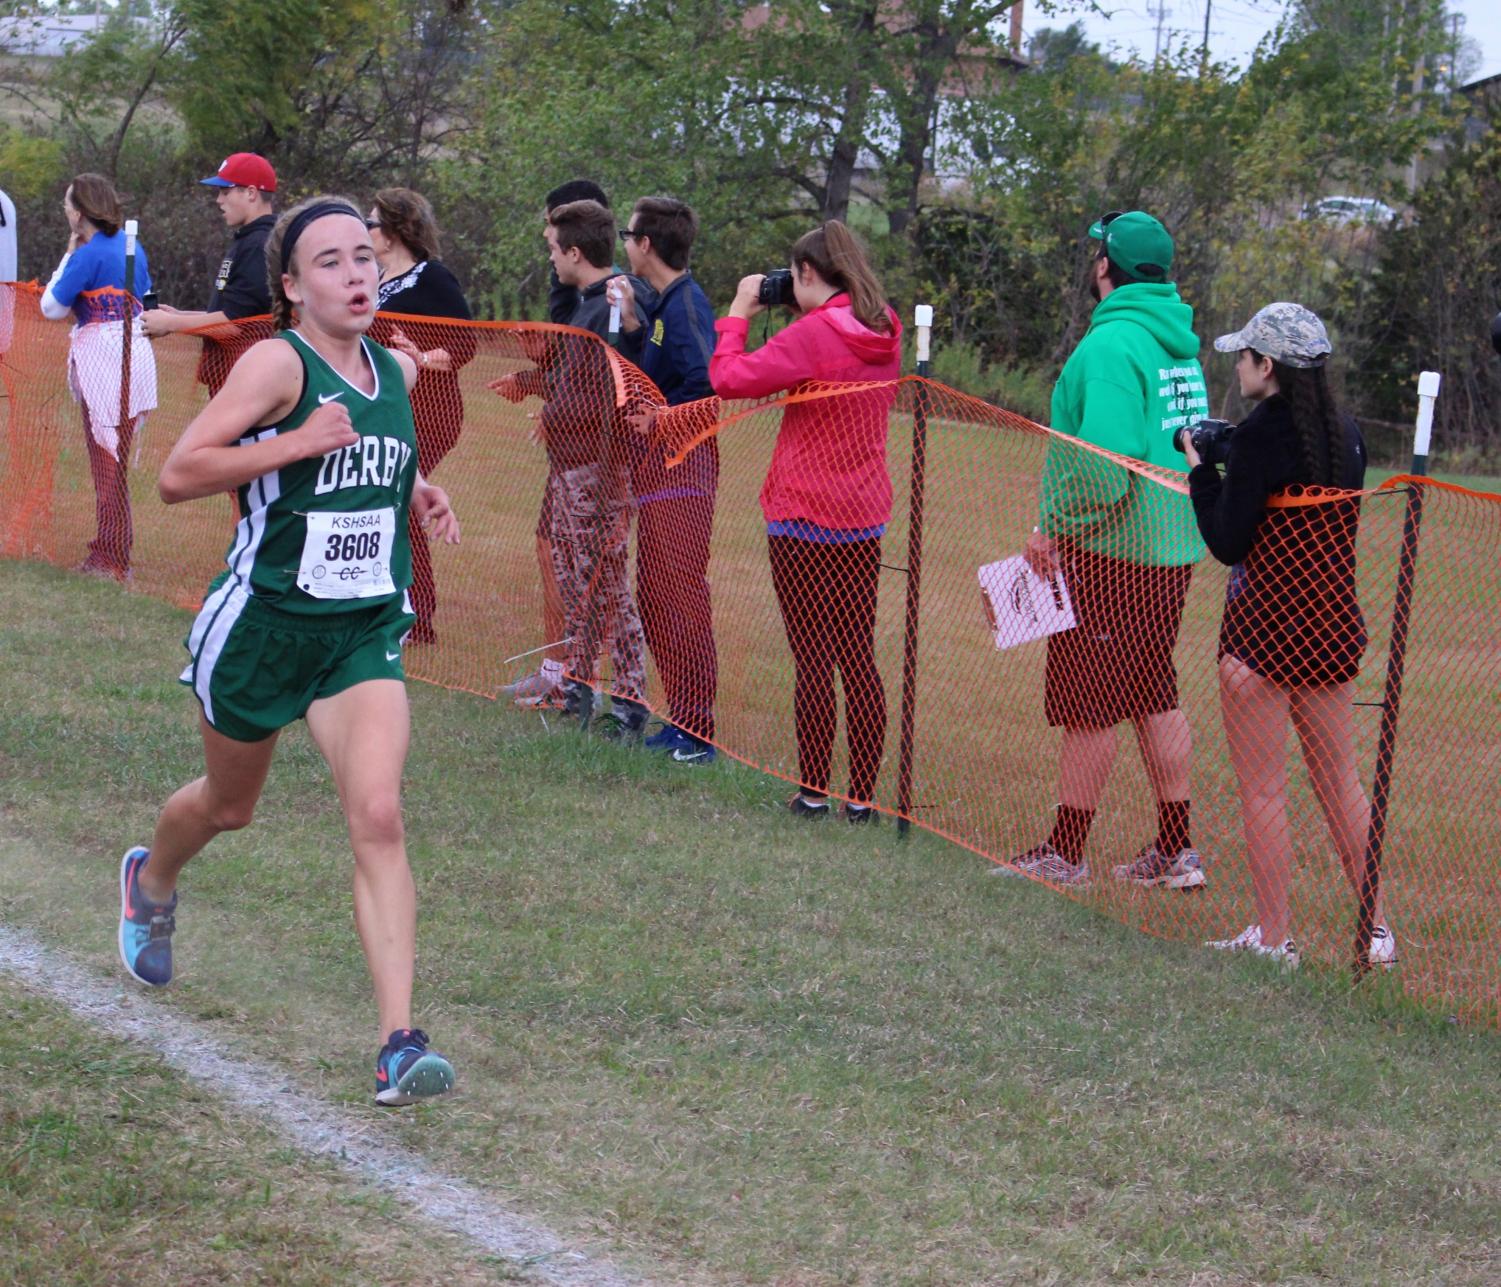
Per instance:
x=1136, y=243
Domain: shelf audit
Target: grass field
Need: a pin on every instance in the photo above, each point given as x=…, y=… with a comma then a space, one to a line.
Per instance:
x=724, y=1046
x=117, y=1170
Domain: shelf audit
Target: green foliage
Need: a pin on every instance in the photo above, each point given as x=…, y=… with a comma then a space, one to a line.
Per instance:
x=768, y=119
x=603, y=96
x=1437, y=285
x=1024, y=390
x=32, y=165
x=245, y=81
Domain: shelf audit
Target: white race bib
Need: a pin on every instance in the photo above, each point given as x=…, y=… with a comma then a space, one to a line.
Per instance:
x=348, y=555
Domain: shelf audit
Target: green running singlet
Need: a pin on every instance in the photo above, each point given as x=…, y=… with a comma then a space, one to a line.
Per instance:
x=330, y=534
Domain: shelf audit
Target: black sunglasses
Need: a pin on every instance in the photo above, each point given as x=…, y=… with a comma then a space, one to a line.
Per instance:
x=626, y=234
x=372, y=224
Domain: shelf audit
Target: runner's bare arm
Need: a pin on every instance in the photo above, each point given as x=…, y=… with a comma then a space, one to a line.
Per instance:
x=263, y=387
x=408, y=367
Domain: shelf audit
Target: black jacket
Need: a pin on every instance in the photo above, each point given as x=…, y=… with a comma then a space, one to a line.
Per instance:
x=241, y=289
x=430, y=290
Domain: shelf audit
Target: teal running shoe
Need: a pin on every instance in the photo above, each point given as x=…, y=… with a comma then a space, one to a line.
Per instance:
x=406, y=1070
x=145, y=927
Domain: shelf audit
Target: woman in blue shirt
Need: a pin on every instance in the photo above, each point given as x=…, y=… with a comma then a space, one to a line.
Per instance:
x=89, y=288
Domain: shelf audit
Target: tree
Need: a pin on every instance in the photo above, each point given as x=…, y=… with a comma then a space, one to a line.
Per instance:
x=1437, y=285
x=363, y=88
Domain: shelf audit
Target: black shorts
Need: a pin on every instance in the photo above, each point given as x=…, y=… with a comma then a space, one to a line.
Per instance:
x=1116, y=664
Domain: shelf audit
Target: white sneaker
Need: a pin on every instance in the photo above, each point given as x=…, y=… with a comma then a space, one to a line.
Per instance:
x=1249, y=940
x=1383, y=947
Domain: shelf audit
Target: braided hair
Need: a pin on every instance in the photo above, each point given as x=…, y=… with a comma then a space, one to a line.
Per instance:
x=1316, y=420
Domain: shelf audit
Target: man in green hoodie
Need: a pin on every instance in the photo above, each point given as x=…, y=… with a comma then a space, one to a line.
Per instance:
x=1126, y=546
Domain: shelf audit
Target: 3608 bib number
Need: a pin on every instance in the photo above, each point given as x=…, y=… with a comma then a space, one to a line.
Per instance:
x=348, y=555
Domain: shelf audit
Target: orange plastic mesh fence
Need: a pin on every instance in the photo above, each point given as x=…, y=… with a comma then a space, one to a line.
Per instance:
x=788, y=650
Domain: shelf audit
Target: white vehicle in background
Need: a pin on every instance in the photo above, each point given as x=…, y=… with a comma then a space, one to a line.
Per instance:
x=1350, y=210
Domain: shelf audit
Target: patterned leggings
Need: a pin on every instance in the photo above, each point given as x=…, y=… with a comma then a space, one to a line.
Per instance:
x=591, y=519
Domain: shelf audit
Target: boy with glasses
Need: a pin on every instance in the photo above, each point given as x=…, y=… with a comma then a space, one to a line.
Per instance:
x=675, y=508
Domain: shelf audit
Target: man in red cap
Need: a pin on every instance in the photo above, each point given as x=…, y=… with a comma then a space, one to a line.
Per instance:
x=245, y=184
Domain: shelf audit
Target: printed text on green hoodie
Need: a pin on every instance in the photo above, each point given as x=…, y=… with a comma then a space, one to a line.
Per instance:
x=1132, y=383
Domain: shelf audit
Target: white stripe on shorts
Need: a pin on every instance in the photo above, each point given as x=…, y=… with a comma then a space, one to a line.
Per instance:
x=212, y=644
x=202, y=622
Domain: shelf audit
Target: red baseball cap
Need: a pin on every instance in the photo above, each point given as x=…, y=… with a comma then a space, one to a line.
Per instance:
x=244, y=170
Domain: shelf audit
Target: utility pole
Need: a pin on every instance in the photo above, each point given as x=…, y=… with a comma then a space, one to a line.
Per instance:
x=1204, y=48
x=1161, y=13
x=1417, y=96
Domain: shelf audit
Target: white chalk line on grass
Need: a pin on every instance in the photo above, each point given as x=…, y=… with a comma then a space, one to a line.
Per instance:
x=312, y=1126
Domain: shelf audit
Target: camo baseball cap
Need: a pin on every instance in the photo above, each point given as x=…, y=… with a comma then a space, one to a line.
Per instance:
x=1290, y=333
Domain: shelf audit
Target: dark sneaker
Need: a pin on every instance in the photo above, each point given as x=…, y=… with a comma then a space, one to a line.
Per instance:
x=624, y=722
x=687, y=749
x=145, y=927
x=859, y=814
x=406, y=1070
x=579, y=701
x=664, y=739
x=1183, y=870
x=1045, y=863
x=808, y=807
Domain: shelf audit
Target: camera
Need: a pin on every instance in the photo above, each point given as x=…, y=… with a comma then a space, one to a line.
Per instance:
x=1210, y=438
x=776, y=288
x=149, y=301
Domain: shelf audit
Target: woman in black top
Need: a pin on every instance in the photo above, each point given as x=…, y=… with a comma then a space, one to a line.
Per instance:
x=413, y=283
x=1292, y=635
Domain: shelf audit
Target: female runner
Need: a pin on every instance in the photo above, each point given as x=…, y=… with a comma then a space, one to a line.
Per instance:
x=314, y=430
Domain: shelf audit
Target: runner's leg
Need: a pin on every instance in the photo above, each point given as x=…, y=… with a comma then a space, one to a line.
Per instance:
x=362, y=733
x=223, y=799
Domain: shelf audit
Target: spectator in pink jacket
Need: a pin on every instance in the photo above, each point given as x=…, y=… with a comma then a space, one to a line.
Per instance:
x=827, y=495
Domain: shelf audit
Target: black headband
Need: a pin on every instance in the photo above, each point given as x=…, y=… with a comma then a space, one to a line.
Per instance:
x=301, y=220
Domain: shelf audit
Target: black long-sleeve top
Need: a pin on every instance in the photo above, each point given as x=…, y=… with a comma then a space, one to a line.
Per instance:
x=430, y=290
x=240, y=287
x=1291, y=612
